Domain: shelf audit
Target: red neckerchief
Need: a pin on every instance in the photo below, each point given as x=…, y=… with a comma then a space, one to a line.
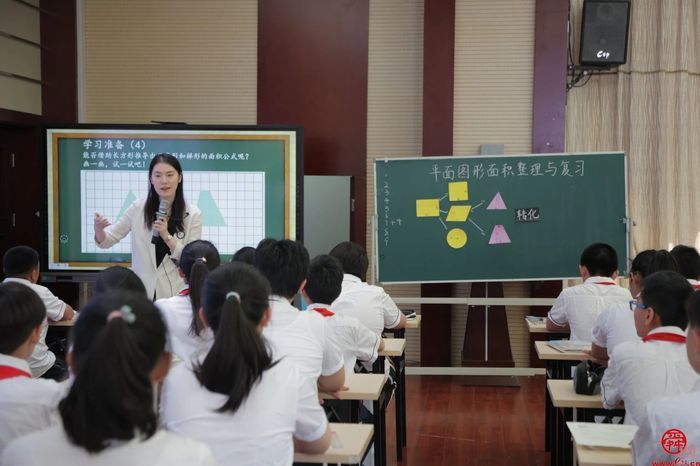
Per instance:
x=185, y=292
x=696, y=286
x=672, y=337
x=604, y=283
x=9, y=372
x=323, y=311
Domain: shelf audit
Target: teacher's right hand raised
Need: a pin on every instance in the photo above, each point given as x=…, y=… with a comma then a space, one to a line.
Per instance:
x=100, y=224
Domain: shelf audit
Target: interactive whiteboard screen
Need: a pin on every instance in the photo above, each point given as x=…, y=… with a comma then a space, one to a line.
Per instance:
x=244, y=180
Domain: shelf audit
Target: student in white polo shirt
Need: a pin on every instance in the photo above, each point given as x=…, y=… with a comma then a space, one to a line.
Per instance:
x=21, y=265
x=26, y=404
x=615, y=323
x=369, y=304
x=671, y=427
x=187, y=335
x=355, y=340
x=300, y=337
x=657, y=366
x=577, y=307
x=688, y=263
x=118, y=353
x=248, y=407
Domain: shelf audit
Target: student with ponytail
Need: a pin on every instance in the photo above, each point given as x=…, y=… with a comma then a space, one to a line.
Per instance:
x=249, y=409
x=186, y=334
x=118, y=353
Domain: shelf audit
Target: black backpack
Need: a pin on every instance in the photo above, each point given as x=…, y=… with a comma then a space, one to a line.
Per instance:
x=587, y=377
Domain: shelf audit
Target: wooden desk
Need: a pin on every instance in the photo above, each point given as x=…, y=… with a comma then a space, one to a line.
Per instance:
x=393, y=347
x=415, y=322
x=588, y=456
x=547, y=353
x=351, y=443
x=62, y=323
x=563, y=396
x=361, y=387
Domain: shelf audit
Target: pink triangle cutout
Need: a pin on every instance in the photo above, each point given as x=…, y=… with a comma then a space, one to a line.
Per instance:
x=499, y=235
x=497, y=203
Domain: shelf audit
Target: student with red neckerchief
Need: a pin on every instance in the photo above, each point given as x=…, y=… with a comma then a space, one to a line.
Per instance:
x=26, y=404
x=657, y=366
x=577, y=307
x=680, y=413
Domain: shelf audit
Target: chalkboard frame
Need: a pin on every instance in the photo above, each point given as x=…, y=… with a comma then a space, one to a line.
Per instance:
x=624, y=257
x=294, y=206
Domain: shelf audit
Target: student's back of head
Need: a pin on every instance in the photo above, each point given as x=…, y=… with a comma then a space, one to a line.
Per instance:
x=324, y=280
x=284, y=263
x=599, y=260
x=20, y=261
x=119, y=279
x=693, y=342
x=353, y=259
x=21, y=313
x=117, y=352
x=235, y=304
x=197, y=259
x=667, y=294
x=688, y=261
x=651, y=260
x=246, y=255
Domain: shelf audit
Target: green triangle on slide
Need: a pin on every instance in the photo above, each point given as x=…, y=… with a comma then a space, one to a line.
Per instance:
x=211, y=215
x=130, y=198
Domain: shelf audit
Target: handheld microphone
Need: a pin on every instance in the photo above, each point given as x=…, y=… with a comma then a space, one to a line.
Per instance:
x=162, y=213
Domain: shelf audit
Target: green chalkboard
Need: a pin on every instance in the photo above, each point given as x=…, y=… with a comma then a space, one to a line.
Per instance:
x=447, y=219
x=243, y=181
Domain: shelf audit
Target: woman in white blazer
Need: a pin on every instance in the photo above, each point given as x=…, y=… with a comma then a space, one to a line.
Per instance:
x=181, y=225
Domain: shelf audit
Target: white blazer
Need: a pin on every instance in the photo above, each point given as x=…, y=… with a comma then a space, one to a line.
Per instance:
x=163, y=280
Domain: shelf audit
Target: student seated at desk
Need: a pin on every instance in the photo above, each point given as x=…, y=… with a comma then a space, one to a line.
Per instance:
x=118, y=353
x=21, y=265
x=681, y=413
x=688, y=263
x=26, y=404
x=300, y=337
x=577, y=307
x=615, y=323
x=248, y=407
x=117, y=278
x=187, y=335
x=323, y=285
x=657, y=366
x=369, y=304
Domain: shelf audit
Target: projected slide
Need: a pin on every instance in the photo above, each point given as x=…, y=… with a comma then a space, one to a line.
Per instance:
x=232, y=205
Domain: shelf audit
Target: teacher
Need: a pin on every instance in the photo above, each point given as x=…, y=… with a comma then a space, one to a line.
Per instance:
x=181, y=225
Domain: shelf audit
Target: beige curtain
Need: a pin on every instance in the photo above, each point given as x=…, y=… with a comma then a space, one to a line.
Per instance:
x=651, y=110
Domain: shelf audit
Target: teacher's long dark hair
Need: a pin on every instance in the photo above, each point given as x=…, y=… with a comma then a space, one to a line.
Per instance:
x=197, y=259
x=235, y=301
x=117, y=342
x=176, y=223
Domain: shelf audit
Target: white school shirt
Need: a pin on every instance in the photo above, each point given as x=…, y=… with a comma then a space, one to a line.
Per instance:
x=282, y=405
x=301, y=338
x=354, y=339
x=165, y=281
x=26, y=404
x=580, y=305
x=639, y=372
x=614, y=325
x=52, y=446
x=177, y=313
x=682, y=413
x=42, y=359
x=369, y=304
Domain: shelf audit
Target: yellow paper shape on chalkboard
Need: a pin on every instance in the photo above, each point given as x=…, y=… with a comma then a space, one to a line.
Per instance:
x=456, y=238
x=427, y=207
x=459, y=213
x=459, y=191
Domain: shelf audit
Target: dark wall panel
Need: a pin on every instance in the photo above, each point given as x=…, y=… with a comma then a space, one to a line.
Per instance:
x=312, y=71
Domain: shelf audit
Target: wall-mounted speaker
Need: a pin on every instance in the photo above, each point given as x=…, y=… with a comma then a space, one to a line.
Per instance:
x=604, y=27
